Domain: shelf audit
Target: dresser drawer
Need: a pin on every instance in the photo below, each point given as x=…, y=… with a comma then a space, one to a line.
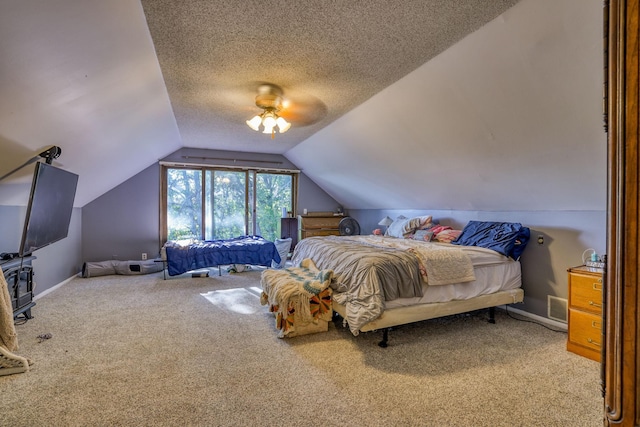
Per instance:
x=312, y=233
x=585, y=330
x=309, y=223
x=586, y=292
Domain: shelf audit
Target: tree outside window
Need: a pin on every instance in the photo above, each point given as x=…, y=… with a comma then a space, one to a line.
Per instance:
x=229, y=198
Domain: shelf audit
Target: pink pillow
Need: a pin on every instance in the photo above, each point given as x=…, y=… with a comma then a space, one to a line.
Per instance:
x=438, y=228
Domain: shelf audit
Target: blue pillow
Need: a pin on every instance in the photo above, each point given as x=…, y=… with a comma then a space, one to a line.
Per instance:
x=507, y=238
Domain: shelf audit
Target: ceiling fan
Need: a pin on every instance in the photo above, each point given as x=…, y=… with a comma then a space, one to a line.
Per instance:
x=280, y=111
x=270, y=99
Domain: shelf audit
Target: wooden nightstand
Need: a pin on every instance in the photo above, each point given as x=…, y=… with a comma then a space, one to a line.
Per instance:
x=585, y=312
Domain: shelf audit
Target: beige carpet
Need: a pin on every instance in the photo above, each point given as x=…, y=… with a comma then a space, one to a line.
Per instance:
x=143, y=351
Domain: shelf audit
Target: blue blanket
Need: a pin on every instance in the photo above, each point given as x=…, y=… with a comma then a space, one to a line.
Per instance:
x=253, y=250
x=507, y=238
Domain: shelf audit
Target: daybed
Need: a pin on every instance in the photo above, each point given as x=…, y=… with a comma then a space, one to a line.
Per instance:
x=183, y=256
x=384, y=281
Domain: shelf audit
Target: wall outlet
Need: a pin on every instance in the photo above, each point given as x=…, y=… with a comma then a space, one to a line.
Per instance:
x=144, y=255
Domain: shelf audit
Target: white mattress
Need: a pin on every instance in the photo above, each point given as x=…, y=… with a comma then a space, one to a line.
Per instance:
x=494, y=272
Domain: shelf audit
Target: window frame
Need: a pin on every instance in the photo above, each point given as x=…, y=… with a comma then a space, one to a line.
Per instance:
x=164, y=167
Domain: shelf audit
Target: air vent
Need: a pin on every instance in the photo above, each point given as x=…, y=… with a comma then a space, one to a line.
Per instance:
x=557, y=308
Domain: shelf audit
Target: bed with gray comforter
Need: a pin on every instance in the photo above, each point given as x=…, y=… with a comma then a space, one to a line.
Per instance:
x=373, y=273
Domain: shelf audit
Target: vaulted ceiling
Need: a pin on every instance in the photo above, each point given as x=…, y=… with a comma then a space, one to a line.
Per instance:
x=494, y=91
x=327, y=57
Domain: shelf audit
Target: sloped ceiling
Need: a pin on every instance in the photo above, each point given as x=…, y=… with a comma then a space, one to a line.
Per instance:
x=507, y=119
x=121, y=84
x=83, y=76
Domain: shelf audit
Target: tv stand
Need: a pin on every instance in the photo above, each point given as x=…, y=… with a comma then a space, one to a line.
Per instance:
x=18, y=273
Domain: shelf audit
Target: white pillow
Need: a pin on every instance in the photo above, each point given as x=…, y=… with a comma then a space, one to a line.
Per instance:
x=282, y=246
x=396, y=228
x=403, y=227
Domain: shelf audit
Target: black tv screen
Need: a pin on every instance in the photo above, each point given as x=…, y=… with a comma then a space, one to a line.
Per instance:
x=53, y=191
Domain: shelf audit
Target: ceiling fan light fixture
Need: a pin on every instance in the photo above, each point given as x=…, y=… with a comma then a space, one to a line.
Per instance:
x=270, y=100
x=255, y=122
x=269, y=121
x=283, y=125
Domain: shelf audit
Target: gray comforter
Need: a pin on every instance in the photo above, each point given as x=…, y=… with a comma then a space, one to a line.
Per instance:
x=366, y=275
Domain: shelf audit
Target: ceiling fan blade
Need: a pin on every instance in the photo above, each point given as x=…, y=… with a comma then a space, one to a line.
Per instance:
x=304, y=116
x=302, y=109
x=240, y=94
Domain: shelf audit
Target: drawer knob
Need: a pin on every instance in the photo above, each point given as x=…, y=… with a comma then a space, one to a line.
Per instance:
x=595, y=324
x=595, y=304
x=597, y=286
x=590, y=341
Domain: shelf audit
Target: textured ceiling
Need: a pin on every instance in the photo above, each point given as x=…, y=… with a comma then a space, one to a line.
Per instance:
x=329, y=57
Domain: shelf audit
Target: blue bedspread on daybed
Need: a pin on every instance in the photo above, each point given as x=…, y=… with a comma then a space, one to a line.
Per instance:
x=253, y=250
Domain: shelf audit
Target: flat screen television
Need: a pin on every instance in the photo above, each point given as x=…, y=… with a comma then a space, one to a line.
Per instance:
x=53, y=191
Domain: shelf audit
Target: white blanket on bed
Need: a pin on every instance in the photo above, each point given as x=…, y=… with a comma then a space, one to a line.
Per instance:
x=442, y=264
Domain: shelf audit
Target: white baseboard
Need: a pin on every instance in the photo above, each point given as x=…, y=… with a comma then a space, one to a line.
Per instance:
x=540, y=319
x=53, y=288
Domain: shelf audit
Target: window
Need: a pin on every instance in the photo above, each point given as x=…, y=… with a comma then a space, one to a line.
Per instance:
x=213, y=203
x=184, y=204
